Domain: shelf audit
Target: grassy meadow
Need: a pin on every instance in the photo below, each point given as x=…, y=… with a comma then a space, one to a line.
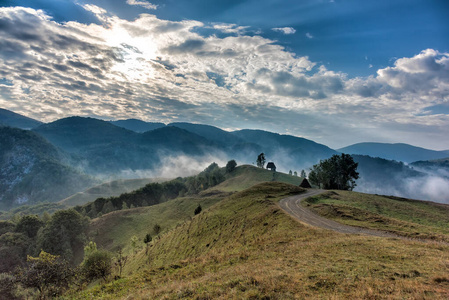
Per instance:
x=245, y=247
x=404, y=217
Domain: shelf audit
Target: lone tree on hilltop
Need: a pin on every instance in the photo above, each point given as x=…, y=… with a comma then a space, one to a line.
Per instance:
x=338, y=172
x=261, y=160
x=230, y=166
x=303, y=174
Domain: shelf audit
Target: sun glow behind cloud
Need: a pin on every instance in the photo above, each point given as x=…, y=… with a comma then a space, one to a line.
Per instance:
x=162, y=70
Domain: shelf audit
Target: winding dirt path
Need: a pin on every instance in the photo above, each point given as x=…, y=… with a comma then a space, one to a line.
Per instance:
x=292, y=205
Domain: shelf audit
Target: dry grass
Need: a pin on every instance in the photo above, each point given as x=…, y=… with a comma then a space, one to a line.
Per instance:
x=244, y=247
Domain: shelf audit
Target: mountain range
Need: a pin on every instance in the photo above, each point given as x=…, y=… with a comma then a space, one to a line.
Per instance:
x=399, y=152
x=89, y=150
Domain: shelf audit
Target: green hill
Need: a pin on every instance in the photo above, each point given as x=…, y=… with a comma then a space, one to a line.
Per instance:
x=246, y=176
x=245, y=247
x=115, y=229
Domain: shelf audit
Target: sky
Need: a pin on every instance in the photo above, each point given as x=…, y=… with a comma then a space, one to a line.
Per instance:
x=337, y=72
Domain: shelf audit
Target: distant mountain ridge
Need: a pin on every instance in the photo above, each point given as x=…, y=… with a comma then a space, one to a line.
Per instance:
x=399, y=152
x=12, y=119
x=137, y=125
x=107, y=151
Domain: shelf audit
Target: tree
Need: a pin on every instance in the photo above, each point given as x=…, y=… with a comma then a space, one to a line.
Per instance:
x=64, y=235
x=303, y=174
x=230, y=166
x=295, y=173
x=147, y=241
x=198, y=209
x=147, y=238
x=29, y=225
x=121, y=259
x=97, y=265
x=290, y=173
x=49, y=274
x=90, y=248
x=157, y=229
x=338, y=172
x=261, y=160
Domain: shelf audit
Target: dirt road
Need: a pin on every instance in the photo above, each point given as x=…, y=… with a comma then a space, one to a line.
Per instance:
x=293, y=207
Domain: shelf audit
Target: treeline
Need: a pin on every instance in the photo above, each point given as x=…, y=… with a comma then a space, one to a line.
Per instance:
x=155, y=193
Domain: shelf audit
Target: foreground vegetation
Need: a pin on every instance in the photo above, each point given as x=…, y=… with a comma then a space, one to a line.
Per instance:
x=404, y=217
x=245, y=247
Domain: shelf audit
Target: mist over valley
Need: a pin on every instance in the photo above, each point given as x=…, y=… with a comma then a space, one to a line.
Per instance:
x=89, y=151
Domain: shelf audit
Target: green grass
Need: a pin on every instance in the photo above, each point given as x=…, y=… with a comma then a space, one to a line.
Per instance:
x=115, y=229
x=107, y=189
x=410, y=218
x=246, y=176
x=245, y=247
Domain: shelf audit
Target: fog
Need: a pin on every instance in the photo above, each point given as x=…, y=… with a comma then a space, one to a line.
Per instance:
x=173, y=166
x=429, y=187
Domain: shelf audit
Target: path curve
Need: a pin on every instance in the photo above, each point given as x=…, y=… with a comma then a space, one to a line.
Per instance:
x=292, y=205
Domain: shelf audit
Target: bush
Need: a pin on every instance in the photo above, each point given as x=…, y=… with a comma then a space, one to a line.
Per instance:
x=198, y=209
x=98, y=265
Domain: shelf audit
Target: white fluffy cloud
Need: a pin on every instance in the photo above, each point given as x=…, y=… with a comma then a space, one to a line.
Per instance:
x=144, y=4
x=162, y=70
x=285, y=30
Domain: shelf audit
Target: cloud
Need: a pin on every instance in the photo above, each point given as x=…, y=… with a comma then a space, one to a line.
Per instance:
x=144, y=4
x=230, y=28
x=285, y=30
x=160, y=70
x=309, y=35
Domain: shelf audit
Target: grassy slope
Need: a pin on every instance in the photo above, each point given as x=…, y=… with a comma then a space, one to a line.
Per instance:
x=410, y=218
x=245, y=247
x=246, y=176
x=115, y=229
x=108, y=189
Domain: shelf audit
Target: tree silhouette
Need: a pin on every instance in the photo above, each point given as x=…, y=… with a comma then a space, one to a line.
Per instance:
x=260, y=160
x=338, y=172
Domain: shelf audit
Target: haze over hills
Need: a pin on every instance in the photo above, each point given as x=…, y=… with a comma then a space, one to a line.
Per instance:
x=400, y=152
x=109, y=152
